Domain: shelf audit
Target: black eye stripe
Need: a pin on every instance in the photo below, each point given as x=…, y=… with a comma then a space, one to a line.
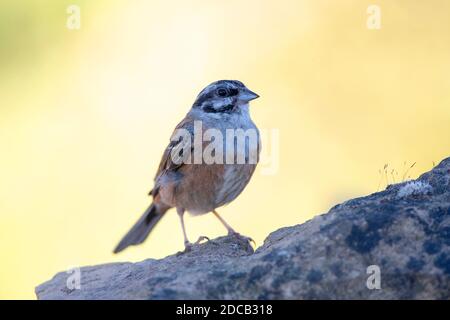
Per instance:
x=227, y=108
x=204, y=97
x=209, y=109
x=224, y=109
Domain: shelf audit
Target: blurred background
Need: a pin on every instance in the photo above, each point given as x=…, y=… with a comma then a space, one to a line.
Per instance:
x=85, y=115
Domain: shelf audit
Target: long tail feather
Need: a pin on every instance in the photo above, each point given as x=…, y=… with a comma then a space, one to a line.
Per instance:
x=141, y=229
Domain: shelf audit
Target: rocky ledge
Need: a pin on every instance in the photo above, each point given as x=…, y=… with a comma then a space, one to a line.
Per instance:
x=393, y=244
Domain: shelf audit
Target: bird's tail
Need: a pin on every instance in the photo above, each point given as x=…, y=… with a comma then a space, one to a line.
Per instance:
x=141, y=229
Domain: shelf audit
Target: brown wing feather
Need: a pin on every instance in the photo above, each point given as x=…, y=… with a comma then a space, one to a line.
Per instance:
x=167, y=164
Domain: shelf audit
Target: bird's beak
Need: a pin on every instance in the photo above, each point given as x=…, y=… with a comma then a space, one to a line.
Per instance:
x=247, y=95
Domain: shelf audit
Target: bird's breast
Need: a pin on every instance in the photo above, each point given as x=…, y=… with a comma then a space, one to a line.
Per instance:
x=235, y=178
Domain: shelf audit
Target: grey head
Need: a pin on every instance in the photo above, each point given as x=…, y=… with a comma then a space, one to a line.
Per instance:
x=224, y=96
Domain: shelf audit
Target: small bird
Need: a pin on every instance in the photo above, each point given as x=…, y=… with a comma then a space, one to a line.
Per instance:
x=200, y=188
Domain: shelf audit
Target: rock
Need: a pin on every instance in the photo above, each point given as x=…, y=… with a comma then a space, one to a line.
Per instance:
x=397, y=240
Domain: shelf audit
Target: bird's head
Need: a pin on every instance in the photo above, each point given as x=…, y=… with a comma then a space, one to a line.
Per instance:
x=224, y=96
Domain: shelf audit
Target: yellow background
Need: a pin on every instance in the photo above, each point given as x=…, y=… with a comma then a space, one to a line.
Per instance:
x=85, y=114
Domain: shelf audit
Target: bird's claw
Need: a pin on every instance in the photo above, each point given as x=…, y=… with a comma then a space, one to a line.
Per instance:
x=200, y=239
x=240, y=236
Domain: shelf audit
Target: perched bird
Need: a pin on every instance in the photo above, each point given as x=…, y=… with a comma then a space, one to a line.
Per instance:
x=201, y=187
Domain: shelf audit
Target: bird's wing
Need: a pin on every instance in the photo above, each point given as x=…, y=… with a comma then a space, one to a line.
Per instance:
x=173, y=157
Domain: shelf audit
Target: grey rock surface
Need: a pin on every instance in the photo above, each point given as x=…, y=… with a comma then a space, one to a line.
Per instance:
x=404, y=231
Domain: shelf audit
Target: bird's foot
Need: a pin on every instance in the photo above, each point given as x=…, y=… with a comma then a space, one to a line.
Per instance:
x=187, y=248
x=189, y=245
x=240, y=236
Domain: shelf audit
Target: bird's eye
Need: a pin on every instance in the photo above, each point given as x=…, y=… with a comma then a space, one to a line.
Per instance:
x=221, y=92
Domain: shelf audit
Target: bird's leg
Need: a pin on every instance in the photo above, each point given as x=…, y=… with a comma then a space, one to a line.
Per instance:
x=187, y=244
x=230, y=230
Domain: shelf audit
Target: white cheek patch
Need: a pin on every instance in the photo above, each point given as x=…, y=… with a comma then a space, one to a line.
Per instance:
x=217, y=104
x=220, y=103
x=216, y=116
